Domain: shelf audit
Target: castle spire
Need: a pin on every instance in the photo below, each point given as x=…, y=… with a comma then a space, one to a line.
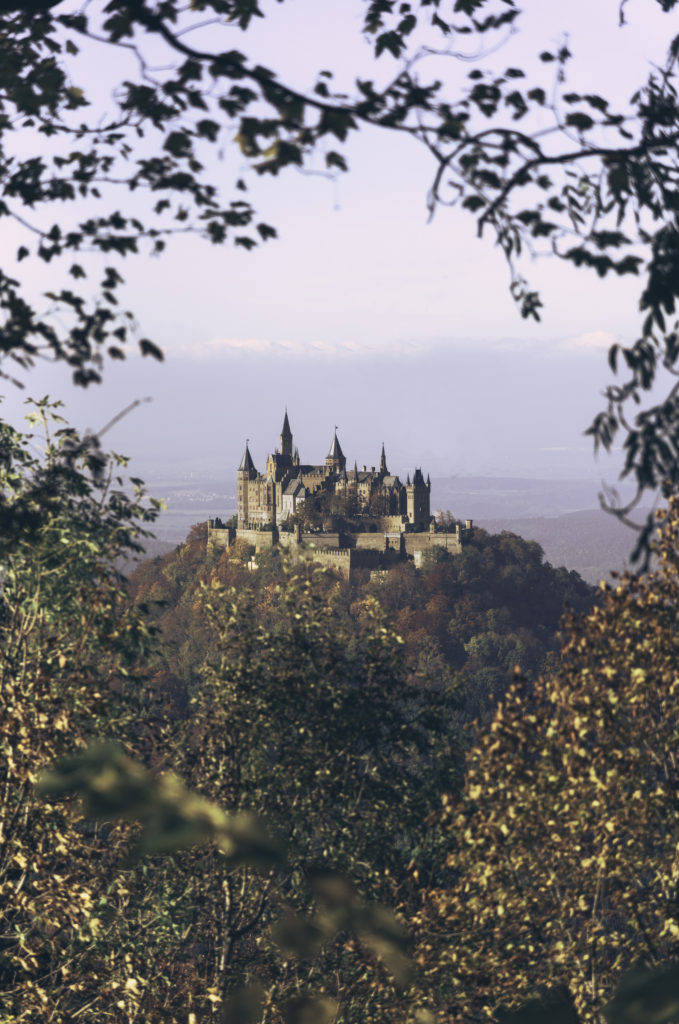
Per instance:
x=286, y=437
x=383, y=462
x=335, y=458
x=246, y=463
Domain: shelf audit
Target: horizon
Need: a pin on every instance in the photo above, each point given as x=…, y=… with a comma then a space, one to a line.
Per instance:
x=363, y=313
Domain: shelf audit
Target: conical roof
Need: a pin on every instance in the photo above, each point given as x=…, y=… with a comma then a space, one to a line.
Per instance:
x=335, y=449
x=383, y=461
x=286, y=432
x=246, y=463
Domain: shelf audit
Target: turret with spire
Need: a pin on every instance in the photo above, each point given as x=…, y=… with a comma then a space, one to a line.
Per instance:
x=286, y=437
x=383, y=463
x=246, y=473
x=335, y=457
x=247, y=466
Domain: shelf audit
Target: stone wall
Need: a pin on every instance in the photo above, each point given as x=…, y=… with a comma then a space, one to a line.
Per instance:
x=262, y=540
x=346, y=552
x=415, y=542
x=218, y=535
x=343, y=560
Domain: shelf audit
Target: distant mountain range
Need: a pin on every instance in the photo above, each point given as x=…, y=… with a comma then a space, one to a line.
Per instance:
x=483, y=497
x=563, y=516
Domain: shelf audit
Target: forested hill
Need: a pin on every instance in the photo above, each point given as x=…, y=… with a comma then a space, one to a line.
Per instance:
x=466, y=621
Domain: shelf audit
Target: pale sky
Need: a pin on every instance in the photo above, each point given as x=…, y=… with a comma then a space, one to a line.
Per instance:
x=363, y=313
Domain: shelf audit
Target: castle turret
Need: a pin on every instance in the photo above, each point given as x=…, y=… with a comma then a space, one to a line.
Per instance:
x=246, y=473
x=417, y=501
x=246, y=464
x=335, y=457
x=286, y=438
x=383, y=463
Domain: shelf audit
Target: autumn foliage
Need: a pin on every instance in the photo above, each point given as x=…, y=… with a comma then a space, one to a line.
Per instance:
x=563, y=867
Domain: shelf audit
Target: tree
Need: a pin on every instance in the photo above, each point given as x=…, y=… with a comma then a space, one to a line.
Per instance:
x=563, y=862
x=88, y=931
x=481, y=612
x=307, y=717
x=69, y=641
x=594, y=189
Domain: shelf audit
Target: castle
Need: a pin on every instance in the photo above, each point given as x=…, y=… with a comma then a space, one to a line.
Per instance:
x=365, y=518
x=274, y=496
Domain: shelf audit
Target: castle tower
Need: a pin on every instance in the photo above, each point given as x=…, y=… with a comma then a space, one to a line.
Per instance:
x=417, y=501
x=335, y=459
x=383, y=463
x=286, y=438
x=246, y=473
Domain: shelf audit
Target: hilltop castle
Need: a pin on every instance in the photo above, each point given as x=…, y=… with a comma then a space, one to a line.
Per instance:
x=365, y=518
x=274, y=496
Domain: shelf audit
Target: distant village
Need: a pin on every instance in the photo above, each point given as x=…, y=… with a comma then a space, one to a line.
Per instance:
x=347, y=519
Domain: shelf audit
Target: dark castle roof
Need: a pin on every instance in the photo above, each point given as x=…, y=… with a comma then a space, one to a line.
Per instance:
x=246, y=463
x=335, y=449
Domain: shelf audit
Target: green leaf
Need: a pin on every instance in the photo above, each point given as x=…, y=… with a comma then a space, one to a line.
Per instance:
x=178, y=144
x=553, y=1008
x=646, y=997
x=309, y=1010
x=578, y=120
x=148, y=348
x=208, y=129
x=243, y=1006
x=333, y=159
x=390, y=41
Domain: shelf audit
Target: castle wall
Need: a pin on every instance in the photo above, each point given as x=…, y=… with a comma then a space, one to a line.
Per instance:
x=368, y=541
x=322, y=540
x=219, y=537
x=262, y=540
x=289, y=539
x=343, y=560
x=420, y=542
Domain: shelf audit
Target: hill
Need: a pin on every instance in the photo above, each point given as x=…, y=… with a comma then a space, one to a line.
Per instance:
x=466, y=620
x=591, y=542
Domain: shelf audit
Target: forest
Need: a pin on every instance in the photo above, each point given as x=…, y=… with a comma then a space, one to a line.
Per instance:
x=443, y=796
x=413, y=798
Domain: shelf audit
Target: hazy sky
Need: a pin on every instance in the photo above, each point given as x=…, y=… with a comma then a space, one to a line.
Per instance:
x=362, y=314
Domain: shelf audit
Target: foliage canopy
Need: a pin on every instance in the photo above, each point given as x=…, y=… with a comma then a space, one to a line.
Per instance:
x=564, y=868
x=69, y=644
